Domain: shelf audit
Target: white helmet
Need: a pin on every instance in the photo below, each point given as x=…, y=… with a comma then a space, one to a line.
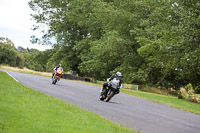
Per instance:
x=118, y=74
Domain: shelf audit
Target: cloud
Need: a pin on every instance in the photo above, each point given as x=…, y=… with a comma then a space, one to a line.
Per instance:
x=16, y=23
x=15, y=14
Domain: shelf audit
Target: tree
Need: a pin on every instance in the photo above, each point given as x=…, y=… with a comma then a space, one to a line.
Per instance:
x=9, y=54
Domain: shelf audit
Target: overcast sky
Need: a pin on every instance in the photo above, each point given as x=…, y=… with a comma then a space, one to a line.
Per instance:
x=16, y=23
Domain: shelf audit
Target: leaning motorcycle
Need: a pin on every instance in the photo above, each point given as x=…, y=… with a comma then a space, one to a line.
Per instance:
x=108, y=92
x=57, y=75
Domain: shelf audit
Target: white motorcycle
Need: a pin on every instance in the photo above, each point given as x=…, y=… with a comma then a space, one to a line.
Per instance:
x=110, y=90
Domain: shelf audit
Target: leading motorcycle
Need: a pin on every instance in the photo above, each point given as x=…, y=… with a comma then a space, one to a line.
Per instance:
x=110, y=90
x=57, y=75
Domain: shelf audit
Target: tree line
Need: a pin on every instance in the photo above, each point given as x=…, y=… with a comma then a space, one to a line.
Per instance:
x=150, y=42
x=21, y=57
x=9, y=54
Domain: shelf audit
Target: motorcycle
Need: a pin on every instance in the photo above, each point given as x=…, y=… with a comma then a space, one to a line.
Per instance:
x=57, y=75
x=108, y=92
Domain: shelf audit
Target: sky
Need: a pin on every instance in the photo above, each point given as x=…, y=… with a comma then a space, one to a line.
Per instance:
x=16, y=24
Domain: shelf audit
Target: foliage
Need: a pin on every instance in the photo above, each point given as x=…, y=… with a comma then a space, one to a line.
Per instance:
x=38, y=60
x=9, y=54
x=150, y=42
x=188, y=87
x=197, y=89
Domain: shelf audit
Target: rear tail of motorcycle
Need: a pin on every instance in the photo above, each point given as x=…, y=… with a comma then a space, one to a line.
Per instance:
x=103, y=94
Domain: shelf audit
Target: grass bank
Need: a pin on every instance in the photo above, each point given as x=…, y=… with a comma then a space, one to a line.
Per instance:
x=25, y=70
x=23, y=110
x=168, y=100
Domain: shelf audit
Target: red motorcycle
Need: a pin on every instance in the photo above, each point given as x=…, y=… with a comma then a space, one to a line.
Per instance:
x=57, y=75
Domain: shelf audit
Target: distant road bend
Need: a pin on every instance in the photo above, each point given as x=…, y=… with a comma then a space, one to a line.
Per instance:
x=136, y=113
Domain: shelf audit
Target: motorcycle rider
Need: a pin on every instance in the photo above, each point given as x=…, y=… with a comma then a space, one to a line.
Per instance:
x=118, y=75
x=55, y=69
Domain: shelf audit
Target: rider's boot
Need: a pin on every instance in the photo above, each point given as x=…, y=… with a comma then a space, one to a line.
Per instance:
x=101, y=89
x=52, y=75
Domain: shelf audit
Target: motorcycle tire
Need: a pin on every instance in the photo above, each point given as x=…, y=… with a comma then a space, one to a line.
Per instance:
x=109, y=96
x=102, y=96
x=54, y=80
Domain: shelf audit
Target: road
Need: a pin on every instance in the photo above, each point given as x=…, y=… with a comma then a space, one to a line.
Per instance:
x=136, y=113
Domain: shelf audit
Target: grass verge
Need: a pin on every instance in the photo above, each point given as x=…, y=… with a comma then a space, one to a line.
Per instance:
x=26, y=70
x=23, y=110
x=168, y=100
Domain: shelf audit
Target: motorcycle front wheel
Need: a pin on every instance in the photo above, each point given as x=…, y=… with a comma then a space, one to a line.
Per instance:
x=110, y=95
x=54, y=80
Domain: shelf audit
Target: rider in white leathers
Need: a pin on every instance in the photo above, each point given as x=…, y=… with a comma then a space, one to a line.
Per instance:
x=118, y=76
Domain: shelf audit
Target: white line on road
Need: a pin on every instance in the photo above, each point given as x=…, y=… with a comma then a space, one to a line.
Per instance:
x=10, y=75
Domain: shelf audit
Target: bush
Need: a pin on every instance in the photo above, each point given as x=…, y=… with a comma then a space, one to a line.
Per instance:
x=182, y=93
x=173, y=93
x=188, y=87
x=194, y=100
x=197, y=89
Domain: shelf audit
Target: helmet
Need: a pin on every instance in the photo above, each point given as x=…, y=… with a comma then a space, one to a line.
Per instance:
x=59, y=65
x=118, y=74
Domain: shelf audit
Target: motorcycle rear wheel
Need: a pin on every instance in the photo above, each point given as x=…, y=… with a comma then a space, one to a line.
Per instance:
x=102, y=96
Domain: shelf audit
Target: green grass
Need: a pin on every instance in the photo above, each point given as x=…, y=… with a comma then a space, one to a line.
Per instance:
x=23, y=110
x=168, y=100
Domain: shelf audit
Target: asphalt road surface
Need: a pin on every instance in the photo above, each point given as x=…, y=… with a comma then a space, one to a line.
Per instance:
x=136, y=113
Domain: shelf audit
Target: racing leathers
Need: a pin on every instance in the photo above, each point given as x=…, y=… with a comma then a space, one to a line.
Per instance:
x=55, y=69
x=106, y=84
